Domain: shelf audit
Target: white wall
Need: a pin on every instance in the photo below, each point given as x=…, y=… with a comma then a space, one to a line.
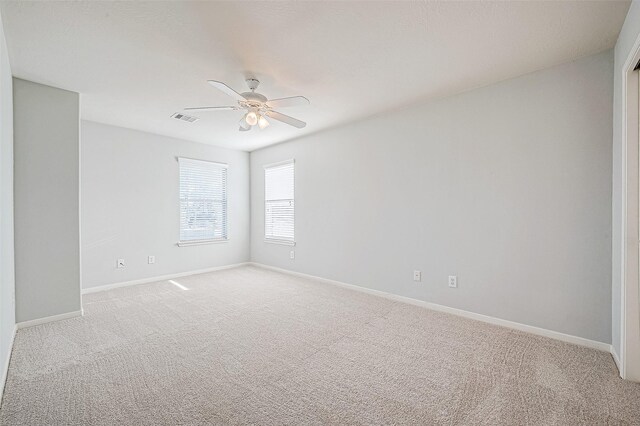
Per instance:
x=507, y=186
x=46, y=196
x=130, y=206
x=7, y=281
x=626, y=39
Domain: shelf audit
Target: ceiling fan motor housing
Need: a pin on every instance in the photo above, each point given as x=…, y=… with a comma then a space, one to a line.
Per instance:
x=253, y=97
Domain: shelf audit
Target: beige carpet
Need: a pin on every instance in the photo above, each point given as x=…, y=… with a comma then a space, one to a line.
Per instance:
x=250, y=346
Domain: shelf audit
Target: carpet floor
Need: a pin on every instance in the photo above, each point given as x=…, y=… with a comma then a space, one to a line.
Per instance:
x=252, y=346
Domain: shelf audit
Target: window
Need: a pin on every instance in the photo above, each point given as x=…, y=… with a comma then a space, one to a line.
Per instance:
x=203, y=201
x=279, y=202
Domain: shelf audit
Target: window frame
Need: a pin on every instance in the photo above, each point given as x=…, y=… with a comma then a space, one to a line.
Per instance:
x=279, y=240
x=225, y=202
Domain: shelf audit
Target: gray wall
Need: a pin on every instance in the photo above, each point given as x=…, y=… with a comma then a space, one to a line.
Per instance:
x=507, y=186
x=130, y=206
x=626, y=39
x=46, y=172
x=7, y=297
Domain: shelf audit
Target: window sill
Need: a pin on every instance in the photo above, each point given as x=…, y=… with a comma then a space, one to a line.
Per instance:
x=201, y=242
x=281, y=242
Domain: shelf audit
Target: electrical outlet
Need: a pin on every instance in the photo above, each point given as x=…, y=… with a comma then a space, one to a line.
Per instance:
x=292, y=254
x=152, y=259
x=120, y=263
x=417, y=276
x=453, y=281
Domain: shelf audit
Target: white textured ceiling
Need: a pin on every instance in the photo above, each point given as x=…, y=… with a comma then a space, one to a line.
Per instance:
x=136, y=63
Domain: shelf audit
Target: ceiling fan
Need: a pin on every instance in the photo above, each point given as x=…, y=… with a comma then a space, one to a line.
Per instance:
x=258, y=107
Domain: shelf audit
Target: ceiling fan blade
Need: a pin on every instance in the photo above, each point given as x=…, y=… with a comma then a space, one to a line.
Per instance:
x=288, y=102
x=286, y=119
x=226, y=89
x=220, y=108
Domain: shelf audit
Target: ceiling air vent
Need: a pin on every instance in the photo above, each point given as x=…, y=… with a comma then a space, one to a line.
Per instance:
x=183, y=117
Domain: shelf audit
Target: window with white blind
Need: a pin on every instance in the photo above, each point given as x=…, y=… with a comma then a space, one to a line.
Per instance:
x=279, y=206
x=203, y=201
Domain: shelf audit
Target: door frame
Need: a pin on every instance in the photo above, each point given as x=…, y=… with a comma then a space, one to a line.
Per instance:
x=629, y=358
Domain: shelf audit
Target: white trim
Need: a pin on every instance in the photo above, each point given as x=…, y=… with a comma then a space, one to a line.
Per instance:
x=616, y=358
x=158, y=278
x=279, y=163
x=629, y=268
x=80, y=201
x=201, y=242
x=5, y=367
x=281, y=242
x=52, y=318
x=580, y=341
x=197, y=160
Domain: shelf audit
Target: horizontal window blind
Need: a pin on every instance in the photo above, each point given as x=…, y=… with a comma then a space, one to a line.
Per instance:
x=203, y=200
x=279, y=209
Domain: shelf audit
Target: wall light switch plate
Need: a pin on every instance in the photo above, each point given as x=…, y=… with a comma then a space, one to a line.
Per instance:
x=152, y=259
x=292, y=254
x=417, y=276
x=120, y=263
x=453, y=281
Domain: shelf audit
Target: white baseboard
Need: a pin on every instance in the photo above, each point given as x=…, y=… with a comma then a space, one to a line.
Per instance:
x=52, y=318
x=5, y=367
x=106, y=287
x=580, y=341
x=616, y=358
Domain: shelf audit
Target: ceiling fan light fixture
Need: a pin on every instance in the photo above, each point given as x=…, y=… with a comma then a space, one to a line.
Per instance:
x=243, y=125
x=251, y=118
x=262, y=122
